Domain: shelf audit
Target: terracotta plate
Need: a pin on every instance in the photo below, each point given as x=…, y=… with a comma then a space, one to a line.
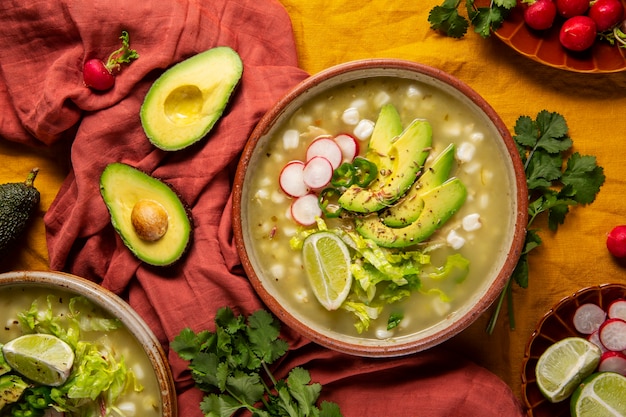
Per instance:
x=554, y=326
x=544, y=47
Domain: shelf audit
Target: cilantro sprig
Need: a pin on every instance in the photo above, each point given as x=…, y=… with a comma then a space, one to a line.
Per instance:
x=231, y=365
x=447, y=19
x=557, y=180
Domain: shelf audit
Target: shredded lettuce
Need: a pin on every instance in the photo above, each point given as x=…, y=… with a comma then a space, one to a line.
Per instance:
x=386, y=276
x=98, y=377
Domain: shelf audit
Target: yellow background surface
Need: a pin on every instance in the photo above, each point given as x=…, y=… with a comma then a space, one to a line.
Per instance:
x=330, y=32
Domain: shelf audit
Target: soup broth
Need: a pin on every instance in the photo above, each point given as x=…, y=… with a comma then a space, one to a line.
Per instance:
x=479, y=231
x=144, y=403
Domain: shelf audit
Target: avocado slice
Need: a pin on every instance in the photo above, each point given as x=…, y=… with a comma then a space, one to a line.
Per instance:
x=386, y=130
x=440, y=204
x=147, y=214
x=407, y=154
x=18, y=204
x=408, y=209
x=186, y=101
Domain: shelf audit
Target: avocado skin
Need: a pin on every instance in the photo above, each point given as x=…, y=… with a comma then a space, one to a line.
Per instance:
x=18, y=202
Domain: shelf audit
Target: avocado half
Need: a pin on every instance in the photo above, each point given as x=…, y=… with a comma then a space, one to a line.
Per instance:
x=186, y=101
x=147, y=214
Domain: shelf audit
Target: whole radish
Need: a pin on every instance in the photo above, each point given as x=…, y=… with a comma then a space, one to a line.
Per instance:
x=616, y=241
x=99, y=75
x=571, y=8
x=540, y=14
x=578, y=33
x=606, y=14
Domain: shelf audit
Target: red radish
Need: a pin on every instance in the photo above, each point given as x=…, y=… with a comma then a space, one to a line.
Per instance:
x=99, y=75
x=291, y=179
x=578, y=33
x=349, y=146
x=540, y=14
x=588, y=318
x=305, y=209
x=613, y=362
x=617, y=309
x=317, y=172
x=571, y=8
x=606, y=13
x=327, y=148
x=595, y=339
x=613, y=334
x=616, y=241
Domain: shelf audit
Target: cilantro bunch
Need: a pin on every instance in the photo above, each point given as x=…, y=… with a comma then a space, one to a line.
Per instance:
x=447, y=19
x=231, y=365
x=557, y=179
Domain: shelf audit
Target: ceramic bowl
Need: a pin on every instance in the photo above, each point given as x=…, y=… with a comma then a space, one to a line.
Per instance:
x=270, y=283
x=544, y=46
x=556, y=325
x=19, y=282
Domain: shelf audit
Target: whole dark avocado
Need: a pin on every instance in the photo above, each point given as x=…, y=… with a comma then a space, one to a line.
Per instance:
x=18, y=202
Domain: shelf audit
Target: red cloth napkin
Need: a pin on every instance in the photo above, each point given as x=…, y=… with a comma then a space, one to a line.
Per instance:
x=44, y=101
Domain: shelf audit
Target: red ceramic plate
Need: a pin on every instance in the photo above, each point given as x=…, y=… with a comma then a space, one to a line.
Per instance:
x=544, y=47
x=554, y=326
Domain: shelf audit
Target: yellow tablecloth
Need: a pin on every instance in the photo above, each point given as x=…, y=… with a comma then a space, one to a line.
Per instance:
x=331, y=32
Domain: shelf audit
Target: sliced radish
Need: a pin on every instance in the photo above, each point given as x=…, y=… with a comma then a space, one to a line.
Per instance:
x=317, y=172
x=291, y=179
x=305, y=209
x=349, y=146
x=588, y=318
x=613, y=334
x=617, y=309
x=613, y=362
x=595, y=339
x=325, y=147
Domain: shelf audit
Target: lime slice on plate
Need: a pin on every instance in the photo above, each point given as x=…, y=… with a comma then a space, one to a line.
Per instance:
x=600, y=395
x=327, y=265
x=42, y=358
x=564, y=365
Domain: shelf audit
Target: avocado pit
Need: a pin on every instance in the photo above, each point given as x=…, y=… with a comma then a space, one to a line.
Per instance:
x=149, y=219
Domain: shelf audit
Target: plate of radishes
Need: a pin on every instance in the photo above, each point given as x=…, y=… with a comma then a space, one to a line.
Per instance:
x=597, y=314
x=574, y=35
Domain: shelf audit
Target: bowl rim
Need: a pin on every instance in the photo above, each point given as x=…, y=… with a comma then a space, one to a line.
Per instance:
x=520, y=220
x=601, y=289
x=110, y=302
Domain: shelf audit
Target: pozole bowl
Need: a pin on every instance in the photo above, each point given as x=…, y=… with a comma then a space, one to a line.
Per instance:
x=131, y=340
x=432, y=286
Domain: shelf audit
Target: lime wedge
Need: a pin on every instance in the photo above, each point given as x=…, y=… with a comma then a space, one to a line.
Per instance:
x=327, y=265
x=42, y=358
x=600, y=395
x=564, y=365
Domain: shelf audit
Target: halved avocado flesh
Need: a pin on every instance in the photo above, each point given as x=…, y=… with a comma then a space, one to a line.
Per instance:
x=186, y=101
x=125, y=190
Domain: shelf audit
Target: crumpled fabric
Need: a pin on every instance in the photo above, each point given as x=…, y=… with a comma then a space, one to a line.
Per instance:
x=44, y=101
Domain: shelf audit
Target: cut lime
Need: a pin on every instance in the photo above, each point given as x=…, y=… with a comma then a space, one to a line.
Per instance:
x=600, y=395
x=42, y=358
x=564, y=365
x=327, y=264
